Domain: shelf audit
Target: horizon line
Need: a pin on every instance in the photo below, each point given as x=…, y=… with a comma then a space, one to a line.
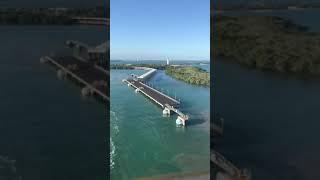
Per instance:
x=158, y=60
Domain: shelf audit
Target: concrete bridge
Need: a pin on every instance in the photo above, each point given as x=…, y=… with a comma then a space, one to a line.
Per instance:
x=145, y=76
x=167, y=103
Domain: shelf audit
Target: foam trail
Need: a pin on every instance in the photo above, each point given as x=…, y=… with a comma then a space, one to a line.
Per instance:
x=112, y=153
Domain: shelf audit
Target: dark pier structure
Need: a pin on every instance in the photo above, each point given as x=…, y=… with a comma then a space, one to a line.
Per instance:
x=88, y=66
x=94, y=79
x=228, y=170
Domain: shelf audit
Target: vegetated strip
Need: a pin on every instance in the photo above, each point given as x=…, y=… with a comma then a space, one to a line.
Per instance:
x=188, y=74
x=267, y=43
x=63, y=16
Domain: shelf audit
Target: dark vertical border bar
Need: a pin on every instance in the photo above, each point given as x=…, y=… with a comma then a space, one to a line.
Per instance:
x=211, y=83
x=108, y=102
x=213, y=114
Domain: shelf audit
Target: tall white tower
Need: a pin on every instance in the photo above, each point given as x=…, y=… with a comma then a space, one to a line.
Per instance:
x=168, y=63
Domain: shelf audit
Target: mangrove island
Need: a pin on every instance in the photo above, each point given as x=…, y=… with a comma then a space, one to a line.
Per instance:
x=267, y=43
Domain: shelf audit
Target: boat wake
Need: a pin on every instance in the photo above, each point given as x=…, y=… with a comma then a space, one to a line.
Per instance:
x=114, y=132
x=114, y=123
x=112, y=154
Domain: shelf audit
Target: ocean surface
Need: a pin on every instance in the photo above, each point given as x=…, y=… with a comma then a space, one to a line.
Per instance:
x=144, y=143
x=271, y=119
x=45, y=125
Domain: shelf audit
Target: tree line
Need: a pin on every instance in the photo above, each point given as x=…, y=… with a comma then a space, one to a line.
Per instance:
x=47, y=15
x=188, y=74
x=267, y=43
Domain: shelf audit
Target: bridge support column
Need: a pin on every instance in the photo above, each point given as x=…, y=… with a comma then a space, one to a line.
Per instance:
x=86, y=91
x=43, y=60
x=166, y=111
x=61, y=74
x=137, y=90
x=181, y=121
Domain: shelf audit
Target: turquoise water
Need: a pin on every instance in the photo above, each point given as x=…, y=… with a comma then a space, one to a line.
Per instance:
x=144, y=143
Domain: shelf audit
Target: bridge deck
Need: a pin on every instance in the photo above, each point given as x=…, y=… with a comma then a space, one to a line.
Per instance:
x=85, y=72
x=154, y=94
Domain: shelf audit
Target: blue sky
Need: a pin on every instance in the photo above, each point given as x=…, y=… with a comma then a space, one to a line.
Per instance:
x=156, y=29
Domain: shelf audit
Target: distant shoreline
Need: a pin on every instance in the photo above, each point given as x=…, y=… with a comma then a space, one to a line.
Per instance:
x=249, y=8
x=48, y=16
x=157, y=60
x=261, y=10
x=186, y=73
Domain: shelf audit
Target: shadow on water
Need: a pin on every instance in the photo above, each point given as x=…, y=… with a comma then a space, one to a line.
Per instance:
x=196, y=117
x=196, y=121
